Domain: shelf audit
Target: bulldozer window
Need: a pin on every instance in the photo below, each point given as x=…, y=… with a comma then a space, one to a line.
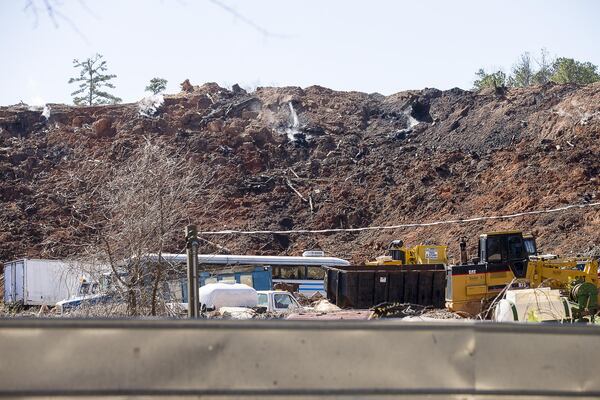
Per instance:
x=515, y=248
x=494, y=249
x=530, y=246
x=398, y=255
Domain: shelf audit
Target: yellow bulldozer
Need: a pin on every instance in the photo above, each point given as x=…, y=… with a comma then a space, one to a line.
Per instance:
x=510, y=259
x=399, y=255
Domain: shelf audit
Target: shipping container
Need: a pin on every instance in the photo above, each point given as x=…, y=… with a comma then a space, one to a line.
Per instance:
x=37, y=282
x=364, y=287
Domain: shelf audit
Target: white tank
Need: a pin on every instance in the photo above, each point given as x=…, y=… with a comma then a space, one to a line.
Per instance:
x=217, y=295
x=532, y=305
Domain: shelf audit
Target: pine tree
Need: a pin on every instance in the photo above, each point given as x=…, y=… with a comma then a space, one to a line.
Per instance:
x=495, y=80
x=92, y=79
x=568, y=70
x=156, y=85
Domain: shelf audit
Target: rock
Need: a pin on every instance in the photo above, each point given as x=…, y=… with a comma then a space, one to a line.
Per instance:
x=254, y=165
x=400, y=135
x=237, y=89
x=186, y=86
x=249, y=114
x=215, y=126
x=261, y=136
x=454, y=125
x=286, y=223
x=78, y=121
x=203, y=102
x=238, y=123
x=233, y=129
x=247, y=147
x=103, y=128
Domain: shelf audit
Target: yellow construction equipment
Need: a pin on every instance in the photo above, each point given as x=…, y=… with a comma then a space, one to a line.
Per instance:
x=400, y=255
x=510, y=260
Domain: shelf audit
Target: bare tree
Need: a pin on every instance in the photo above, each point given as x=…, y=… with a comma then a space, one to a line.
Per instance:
x=52, y=9
x=545, y=69
x=522, y=72
x=137, y=208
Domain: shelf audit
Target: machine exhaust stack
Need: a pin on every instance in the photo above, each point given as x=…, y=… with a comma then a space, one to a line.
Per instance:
x=464, y=256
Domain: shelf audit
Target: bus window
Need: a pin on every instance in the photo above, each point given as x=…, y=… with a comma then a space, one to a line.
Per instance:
x=315, y=273
x=291, y=273
x=247, y=280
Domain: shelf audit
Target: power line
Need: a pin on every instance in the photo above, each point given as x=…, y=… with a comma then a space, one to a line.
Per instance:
x=406, y=225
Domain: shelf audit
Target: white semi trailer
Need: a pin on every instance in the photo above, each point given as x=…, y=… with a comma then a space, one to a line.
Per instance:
x=37, y=282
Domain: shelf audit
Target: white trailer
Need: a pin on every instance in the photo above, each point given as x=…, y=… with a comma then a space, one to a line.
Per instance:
x=37, y=282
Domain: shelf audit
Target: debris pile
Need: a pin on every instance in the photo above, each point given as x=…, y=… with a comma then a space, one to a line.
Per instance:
x=411, y=312
x=290, y=158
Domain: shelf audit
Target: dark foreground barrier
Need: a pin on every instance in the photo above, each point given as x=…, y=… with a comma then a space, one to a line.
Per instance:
x=364, y=287
x=255, y=359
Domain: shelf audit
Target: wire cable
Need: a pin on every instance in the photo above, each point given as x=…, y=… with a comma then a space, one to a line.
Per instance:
x=406, y=225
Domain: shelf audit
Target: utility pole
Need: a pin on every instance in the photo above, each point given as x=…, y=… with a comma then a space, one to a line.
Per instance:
x=191, y=237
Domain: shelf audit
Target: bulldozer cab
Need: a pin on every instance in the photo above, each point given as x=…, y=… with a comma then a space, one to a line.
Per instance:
x=398, y=254
x=397, y=251
x=504, y=249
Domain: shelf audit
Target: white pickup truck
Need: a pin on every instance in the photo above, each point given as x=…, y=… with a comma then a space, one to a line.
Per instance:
x=238, y=298
x=277, y=301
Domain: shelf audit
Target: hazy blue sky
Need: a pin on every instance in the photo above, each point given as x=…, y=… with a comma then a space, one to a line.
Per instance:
x=371, y=46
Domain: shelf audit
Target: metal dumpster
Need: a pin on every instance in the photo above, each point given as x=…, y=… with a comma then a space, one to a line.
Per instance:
x=365, y=287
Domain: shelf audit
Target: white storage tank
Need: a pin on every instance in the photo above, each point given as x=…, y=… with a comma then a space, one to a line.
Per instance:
x=532, y=305
x=217, y=295
x=37, y=282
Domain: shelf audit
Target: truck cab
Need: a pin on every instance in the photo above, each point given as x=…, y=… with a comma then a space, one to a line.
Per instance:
x=91, y=292
x=277, y=301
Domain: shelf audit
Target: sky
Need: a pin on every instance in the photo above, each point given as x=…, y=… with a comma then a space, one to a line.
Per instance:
x=369, y=46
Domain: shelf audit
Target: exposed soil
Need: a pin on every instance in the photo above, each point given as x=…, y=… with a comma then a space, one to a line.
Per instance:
x=359, y=159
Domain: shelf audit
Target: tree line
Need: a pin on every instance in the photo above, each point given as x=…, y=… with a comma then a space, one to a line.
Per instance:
x=93, y=81
x=529, y=71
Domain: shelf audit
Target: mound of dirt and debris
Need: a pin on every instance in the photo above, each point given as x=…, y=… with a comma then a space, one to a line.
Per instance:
x=291, y=158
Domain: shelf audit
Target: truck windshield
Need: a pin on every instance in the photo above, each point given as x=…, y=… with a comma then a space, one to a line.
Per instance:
x=262, y=300
x=282, y=300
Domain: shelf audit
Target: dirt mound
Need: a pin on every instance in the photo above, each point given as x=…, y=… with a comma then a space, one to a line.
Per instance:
x=285, y=158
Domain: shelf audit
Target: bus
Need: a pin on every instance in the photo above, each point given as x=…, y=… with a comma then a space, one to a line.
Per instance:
x=304, y=273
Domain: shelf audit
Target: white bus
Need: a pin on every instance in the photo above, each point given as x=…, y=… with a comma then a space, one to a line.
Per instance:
x=305, y=272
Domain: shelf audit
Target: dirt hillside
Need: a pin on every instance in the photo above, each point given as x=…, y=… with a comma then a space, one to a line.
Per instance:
x=314, y=158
